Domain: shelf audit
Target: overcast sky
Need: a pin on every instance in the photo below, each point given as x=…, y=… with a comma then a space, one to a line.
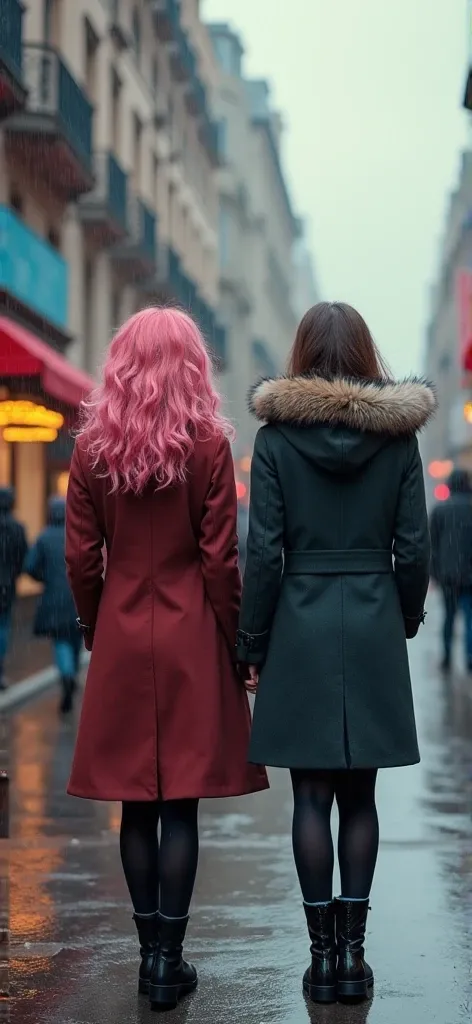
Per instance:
x=371, y=93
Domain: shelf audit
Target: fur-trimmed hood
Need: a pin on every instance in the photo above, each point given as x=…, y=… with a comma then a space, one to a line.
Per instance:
x=380, y=407
x=309, y=411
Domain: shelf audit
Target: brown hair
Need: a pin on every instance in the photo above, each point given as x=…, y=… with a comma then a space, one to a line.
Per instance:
x=333, y=340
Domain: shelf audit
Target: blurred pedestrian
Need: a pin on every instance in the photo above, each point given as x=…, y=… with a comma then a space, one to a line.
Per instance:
x=451, y=563
x=56, y=616
x=165, y=719
x=336, y=577
x=13, y=549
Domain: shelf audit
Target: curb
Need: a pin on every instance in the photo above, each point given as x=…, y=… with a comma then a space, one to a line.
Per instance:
x=32, y=686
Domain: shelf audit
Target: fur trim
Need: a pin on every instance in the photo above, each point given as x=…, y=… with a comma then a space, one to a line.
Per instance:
x=381, y=407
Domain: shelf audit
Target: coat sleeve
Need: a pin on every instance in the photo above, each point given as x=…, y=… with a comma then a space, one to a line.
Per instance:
x=218, y=543
x=84, y=543
x=411, y=548
x=264, y=556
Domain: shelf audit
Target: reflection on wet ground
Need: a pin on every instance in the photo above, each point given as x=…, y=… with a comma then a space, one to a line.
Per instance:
x=73, y=948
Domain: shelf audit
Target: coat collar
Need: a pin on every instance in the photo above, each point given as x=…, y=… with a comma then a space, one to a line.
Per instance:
x=381, y=407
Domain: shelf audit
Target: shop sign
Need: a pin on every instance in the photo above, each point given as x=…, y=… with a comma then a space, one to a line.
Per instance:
x=31, y=270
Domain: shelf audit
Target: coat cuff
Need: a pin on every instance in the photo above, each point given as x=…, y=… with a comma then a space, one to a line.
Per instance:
x=413, y=623
x=251, y=648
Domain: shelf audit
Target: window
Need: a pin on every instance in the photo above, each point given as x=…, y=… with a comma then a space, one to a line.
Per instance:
x=137, y=152
x=91, y=51
x=51, y=22
x=136, y=30
x=115, y=112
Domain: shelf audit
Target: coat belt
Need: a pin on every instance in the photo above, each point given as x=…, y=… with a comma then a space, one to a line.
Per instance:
x=337, y=563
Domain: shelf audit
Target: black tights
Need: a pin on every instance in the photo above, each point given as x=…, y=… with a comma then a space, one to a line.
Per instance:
x=314, y=793
x=160, y=872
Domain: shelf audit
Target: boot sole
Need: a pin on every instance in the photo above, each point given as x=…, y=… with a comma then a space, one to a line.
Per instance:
x=143, y=987
x=166, y=997
x=347, y=990
x=320, y=993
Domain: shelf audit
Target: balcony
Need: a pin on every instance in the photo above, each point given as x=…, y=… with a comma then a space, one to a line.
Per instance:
x=12, y=90
x=33, y=277
x=181, y=57
x=53, y=134
x=166, y=15
x=136, y=255
x=103, y=211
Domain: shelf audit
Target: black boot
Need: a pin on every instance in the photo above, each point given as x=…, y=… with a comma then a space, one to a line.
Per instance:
x=355, y=977
x=148, y=932
x=319, y=981
x=171, y=977
x=67, y=699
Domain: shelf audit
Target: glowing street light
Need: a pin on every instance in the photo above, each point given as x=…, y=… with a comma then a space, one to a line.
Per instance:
x=439, y=470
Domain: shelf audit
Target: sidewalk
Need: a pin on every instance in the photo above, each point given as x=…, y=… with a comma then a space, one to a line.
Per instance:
x=28, y=668
x=73, y=945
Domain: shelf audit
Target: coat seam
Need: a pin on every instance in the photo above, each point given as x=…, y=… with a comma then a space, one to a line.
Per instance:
x=153, y=667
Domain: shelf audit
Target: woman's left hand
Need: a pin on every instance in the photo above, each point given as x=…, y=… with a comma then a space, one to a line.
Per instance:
x=252, y=683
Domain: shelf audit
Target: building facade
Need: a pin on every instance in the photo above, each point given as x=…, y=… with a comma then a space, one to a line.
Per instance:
x=448, y=350
x=108, y=202
x=137, y=165
x=257, y=234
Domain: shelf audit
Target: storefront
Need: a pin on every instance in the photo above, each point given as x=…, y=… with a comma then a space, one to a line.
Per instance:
x=40, y=394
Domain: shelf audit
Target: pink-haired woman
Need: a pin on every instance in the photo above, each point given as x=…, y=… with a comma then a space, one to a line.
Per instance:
x=164, y=719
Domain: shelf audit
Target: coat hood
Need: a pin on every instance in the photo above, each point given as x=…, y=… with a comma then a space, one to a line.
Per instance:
x=370, y=413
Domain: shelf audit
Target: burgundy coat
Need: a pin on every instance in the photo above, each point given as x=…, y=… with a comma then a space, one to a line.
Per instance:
x=164, y=714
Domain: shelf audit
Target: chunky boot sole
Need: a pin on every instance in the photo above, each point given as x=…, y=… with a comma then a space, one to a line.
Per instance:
x=320, y=993
x=143, y=987
x=347, y=990
x=166, y=997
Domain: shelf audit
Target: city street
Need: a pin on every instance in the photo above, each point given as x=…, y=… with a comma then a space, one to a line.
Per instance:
x=74, y=955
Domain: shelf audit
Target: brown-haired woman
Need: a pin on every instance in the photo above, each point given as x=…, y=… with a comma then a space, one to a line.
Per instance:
x=336, y=577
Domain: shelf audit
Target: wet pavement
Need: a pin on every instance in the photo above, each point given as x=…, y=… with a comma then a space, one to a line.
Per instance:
x=27, y=654
x=73, y=950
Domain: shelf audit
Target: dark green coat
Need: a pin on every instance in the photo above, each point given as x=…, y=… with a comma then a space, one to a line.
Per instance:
x=337, y=571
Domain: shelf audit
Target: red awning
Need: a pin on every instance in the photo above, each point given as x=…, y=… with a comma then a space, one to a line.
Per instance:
x=23, y=355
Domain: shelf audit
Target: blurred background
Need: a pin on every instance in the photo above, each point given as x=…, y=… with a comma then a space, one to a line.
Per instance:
x=242, y=161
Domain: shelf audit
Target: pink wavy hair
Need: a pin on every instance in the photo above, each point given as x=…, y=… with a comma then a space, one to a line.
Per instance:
x=156, y=400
